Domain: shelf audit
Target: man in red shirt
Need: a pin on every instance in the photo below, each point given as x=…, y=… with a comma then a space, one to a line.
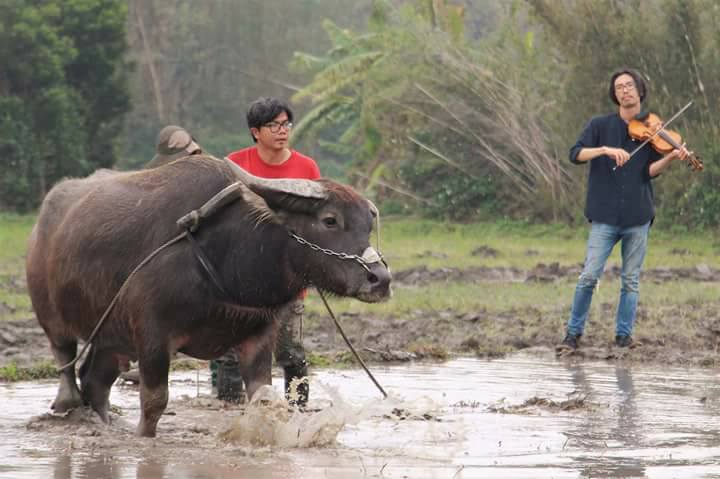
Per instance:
x=270, y=121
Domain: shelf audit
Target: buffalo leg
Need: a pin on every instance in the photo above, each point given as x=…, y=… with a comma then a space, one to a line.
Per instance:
x=256, y=369
x=290, y=352
x=154, y=369
x=97, y=375
x=68, y=396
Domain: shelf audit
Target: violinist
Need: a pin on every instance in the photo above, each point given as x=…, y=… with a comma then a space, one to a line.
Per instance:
x=619, y=204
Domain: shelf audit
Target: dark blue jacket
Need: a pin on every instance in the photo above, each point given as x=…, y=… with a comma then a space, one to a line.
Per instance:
x=623, y=197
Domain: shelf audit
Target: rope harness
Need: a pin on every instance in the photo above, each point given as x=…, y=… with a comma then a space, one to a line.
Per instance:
x=191, y=222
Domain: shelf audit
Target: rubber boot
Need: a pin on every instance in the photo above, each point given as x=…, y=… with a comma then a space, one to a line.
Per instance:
x=229, y=382
x=213, y=374
x=301, y=394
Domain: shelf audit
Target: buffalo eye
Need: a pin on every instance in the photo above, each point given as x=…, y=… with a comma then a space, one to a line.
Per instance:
x=330, y=222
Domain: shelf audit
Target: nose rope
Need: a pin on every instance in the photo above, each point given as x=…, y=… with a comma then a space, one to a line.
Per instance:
x=347, y=341
x=377, y=225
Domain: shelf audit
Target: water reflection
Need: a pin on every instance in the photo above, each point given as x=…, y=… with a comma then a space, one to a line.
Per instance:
x=63, y=468
x=89, y=467
x=627, y=426
x=607, y=427
x=149, y=469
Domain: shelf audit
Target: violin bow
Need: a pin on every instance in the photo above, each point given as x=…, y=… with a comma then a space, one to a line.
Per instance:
x=660, y=129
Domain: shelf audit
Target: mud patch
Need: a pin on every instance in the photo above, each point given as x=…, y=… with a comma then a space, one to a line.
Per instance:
x=431, y=254
x=673, y=334
x=189, y=430
x=75, y=417
x=542, y=272
x=13, y=283
x=485, y=251
x=23, y=342
x=531, y=406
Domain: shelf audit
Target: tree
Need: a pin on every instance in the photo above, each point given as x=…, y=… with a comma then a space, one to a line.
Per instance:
x=62, y=92
x=424, y=110
x=200, y=64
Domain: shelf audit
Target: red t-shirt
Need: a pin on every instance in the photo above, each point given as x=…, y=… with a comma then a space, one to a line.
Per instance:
x=297, y=166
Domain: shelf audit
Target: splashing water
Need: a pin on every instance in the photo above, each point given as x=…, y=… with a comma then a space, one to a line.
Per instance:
x=269, y=420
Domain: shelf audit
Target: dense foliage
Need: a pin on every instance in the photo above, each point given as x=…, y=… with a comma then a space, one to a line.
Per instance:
x=458, y=109
x=200, y=64
x=473, y=127
x=62, y=92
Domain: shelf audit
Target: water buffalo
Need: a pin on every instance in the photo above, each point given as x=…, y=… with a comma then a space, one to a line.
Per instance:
x=258, y=244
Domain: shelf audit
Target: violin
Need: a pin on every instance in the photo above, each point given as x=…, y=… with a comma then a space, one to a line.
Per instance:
x=648, y=127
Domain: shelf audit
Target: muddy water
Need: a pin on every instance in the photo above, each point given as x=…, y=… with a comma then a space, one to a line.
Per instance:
x=520, y=417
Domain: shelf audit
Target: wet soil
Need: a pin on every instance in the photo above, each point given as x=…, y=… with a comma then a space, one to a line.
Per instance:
x=543, y=273
x=463, y=418
x=440, y=334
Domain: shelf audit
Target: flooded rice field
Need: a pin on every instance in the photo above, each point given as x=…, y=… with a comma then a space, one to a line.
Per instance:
x=517, y=417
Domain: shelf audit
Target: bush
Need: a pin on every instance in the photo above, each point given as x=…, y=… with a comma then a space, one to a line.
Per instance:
x=704, y=196
x=450, y=194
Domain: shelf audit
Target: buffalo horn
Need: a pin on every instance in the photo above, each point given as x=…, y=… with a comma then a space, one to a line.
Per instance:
x=296, y=187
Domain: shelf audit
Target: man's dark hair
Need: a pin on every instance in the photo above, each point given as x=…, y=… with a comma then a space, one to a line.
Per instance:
x=637, y=78
x=264, y=110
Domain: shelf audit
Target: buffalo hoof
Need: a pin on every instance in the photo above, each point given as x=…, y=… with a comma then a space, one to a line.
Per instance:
x=63, y=405
x=102, y=412
x=146, y=431
x=67, y=399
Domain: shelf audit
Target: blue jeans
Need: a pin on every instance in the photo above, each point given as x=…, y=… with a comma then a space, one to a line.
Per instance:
x=601, y=241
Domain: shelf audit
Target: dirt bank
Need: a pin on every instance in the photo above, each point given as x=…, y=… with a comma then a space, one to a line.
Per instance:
x=688, y=334
x=544, y=273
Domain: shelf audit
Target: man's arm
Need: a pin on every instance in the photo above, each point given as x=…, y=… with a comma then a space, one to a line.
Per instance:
x=656, y=167
x=588, y=145
x=587, y=154
x=618, y=154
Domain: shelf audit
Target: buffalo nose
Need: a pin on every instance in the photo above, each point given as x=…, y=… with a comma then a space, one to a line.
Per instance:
x=379, y=277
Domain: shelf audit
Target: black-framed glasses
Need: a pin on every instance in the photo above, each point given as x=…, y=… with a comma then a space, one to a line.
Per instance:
x=625, y=86
x=275, y=126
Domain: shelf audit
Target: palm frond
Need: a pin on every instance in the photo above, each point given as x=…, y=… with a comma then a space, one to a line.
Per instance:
x=338, y=76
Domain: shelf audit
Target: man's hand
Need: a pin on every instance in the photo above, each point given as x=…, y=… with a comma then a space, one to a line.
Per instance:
x=679, y=154
x=618, y=154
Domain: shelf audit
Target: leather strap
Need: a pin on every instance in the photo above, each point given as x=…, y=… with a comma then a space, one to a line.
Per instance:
x=207, y=266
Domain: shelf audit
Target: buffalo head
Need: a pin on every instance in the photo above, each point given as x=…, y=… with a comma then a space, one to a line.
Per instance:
x=329, y=226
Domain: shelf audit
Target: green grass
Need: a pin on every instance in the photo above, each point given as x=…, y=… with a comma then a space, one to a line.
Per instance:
x=14, y=305
x=40, y=370
x=405, y=242
x=14, y=231
x=493, y=298
x=673, y=312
